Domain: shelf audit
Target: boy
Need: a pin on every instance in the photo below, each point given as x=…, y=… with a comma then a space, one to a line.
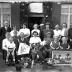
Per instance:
x=46, y=49
x=55, y=44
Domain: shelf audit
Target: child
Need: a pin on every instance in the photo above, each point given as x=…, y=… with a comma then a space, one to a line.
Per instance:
x=55, y=44
x=4, y=43
x=47, y=40
x=64, y=45
x=34, y=41
x=10, y=47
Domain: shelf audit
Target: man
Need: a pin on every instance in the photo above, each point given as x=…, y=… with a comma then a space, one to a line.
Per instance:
x=5, y=29
x=46, y=30
x=25, y=30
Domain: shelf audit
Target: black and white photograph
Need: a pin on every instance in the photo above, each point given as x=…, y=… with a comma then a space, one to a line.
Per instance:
x=35, y=35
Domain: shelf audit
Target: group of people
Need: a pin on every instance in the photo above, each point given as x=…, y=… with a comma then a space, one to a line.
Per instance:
x=41, y=41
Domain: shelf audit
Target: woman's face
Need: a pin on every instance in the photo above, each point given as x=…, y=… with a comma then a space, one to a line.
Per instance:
x=47, y=26
x=64, y=25
x=24, y=26
x=57, y=27
x=35, y=26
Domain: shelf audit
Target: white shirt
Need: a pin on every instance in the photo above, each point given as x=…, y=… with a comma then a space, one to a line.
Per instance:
x=64, y=32
x=37, y=30
x=12, y=33
x=25, y=31
x=35, y=40
x=6, y=44
x=57, y=32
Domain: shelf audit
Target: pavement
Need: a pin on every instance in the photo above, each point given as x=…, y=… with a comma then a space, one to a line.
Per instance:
x=36, y=68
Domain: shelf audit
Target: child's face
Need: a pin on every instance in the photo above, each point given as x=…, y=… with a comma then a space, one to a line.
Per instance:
x=8, y=35
x=64, y=39
x=35, y=34
x=56, y=39
x=11, y=39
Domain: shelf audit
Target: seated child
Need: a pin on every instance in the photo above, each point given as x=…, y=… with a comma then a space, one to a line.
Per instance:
x=55, y=44
x=10, y=48
x=47, y=40
x=34, y=42
x=64, y=45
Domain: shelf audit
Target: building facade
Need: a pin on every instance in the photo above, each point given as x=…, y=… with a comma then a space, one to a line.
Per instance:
x=16, y=13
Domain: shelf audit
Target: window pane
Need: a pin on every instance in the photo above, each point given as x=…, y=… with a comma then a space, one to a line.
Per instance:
x=64, y=19
x=6, y=17
x=70, y=8
x=65, y=10
x=71, y=19
x=6, y=10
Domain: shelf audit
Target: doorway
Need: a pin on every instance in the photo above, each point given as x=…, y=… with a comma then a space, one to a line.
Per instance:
x=33, y=20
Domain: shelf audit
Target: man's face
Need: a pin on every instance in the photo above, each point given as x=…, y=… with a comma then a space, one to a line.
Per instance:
x=47, y=26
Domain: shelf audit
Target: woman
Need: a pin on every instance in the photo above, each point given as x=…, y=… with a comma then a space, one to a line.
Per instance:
x=35, y=29
x=57, y=31
x=64, y=31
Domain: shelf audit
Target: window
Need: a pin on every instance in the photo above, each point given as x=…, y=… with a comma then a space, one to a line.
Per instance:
x=5, y=13
x=66, y=14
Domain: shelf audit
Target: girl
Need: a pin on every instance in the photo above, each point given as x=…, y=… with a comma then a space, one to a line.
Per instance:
x=64, y=45
x=34, y=43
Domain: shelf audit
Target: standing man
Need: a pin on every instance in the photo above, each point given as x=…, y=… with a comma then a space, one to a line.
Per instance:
x=5, y=29
x=47, y=30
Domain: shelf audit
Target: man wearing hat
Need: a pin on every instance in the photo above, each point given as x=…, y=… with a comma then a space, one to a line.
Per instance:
x=25, y=30
x=46, y=30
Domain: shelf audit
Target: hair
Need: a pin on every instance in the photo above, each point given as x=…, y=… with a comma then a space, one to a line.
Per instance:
x=65, y=24
x=35, y=32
